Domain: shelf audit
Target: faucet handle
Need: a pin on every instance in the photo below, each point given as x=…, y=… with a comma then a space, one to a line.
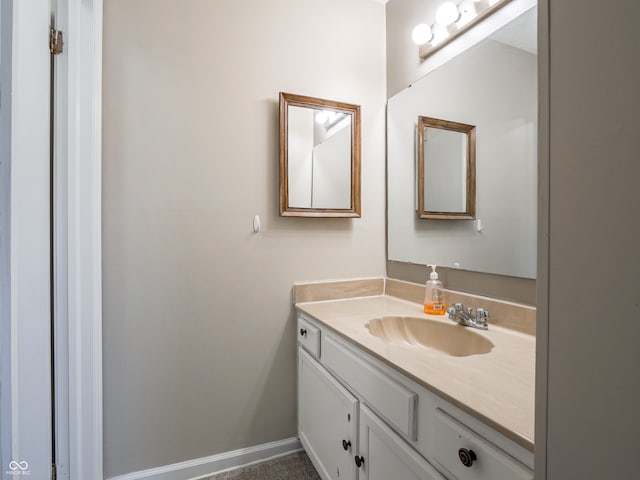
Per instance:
x=458, y=307
x=482, y=315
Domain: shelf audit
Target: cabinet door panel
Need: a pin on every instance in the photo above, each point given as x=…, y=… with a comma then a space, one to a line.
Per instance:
x=327, y=415
x=387, y=456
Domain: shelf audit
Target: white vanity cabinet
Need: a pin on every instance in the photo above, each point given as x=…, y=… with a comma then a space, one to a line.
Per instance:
x=327, y=420
x=386, y=456
x=392, y=427
x=328, y=417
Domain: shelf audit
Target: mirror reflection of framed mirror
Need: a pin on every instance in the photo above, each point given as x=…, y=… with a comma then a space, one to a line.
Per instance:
x=446, y=169
x=319, y=157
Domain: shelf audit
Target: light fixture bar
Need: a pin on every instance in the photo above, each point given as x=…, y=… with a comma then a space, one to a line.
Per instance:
x=428, y=49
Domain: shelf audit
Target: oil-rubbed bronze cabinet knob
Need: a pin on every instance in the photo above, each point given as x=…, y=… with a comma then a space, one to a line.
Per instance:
x=303, y=331
x=346, y=445
x=467, y=457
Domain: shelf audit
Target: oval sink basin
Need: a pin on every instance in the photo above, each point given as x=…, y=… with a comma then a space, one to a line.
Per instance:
x=452, y=339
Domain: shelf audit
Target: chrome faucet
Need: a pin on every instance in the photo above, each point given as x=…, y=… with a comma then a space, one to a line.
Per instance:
x=466, y=318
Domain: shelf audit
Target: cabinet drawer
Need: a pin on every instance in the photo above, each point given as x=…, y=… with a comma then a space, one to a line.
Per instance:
x=391, y=400
x=309, y=337
x=449, y=437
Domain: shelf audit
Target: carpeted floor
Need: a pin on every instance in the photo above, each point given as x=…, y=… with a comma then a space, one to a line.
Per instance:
x=296, y=466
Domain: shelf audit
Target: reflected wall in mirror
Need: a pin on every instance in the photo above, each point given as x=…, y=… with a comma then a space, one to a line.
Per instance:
x=319, y=157
x=492, y=85
x=446, y=169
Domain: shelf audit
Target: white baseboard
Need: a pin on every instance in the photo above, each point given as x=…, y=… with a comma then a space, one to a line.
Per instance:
x=202, y=467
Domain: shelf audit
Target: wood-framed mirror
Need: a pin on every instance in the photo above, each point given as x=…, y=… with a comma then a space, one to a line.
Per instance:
x=446, y=169
x=319, y=157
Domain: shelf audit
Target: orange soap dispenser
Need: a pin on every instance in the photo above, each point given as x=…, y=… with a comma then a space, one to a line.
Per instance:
x=434, y=295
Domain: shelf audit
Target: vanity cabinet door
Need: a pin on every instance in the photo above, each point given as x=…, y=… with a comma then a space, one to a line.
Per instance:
x=383, y=455
x=327, y=420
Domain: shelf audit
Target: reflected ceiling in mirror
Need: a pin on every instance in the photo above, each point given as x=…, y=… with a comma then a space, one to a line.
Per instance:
x=319, y=157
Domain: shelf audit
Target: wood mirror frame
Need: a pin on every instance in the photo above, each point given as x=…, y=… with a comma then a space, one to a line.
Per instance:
x=470, y=204
x=290, y=100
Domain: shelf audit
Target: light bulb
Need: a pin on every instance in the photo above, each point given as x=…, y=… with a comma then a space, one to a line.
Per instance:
x=321, y=118
x=447, y=14
x=421, y=34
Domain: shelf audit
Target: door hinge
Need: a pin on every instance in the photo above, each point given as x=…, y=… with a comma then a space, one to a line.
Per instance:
x=55, y=41
x=54, y=471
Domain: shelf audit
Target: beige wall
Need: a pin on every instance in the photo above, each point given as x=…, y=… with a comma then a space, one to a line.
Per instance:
x=199, y=340
x=592, y=276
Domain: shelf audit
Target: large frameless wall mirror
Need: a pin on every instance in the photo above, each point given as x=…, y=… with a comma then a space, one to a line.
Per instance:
x=446, y=169
x=319, y=157
x=492, y=85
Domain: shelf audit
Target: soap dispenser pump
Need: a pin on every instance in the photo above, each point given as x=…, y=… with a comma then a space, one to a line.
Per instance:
x=434, y=295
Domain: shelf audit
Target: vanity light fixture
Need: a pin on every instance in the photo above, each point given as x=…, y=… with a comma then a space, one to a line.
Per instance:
x=468, y=11
x=451, y=21
x=422, y=34
x=322, y=117
x=329, y=119
x=447, y=14
x=440, y=34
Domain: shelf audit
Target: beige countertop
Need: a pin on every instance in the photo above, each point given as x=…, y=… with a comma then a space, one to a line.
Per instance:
x=497, y=387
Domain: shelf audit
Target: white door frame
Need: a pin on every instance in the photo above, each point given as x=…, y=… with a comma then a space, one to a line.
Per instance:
x=25, y=377
x=78, y=252
x=25, y=395
x=25, y=316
